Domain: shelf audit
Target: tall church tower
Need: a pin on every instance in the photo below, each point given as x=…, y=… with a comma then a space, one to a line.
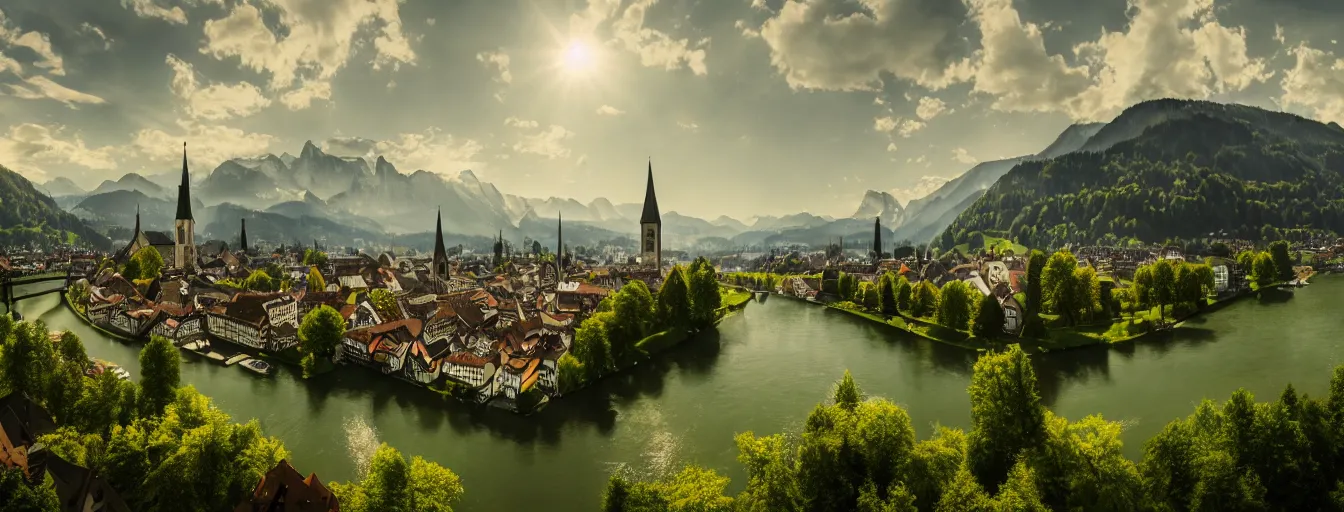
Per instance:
x=877, y=239
x=184, y=244
x=242, y=237
x=440, y=262
x=651, y=228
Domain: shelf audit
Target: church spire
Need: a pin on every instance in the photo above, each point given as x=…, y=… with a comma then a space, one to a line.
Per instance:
x=650, y=215
x=243, y=236
x=439, y=250
x=877, y=238
x=560, y=241
x=136, y=233
x=184, y=190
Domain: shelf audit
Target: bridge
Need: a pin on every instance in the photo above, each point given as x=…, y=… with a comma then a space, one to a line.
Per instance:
x=12, y=279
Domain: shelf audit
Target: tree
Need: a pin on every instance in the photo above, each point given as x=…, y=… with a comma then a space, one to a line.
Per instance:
x=433, y=488
x=1263, y=270
x=20, y=496
x=71, y=349
x=146, y=263
x=569, y=373
x=260, y=281
x=392, y=485
x=1033, y=325
x=954, y=305
x=316, y=282
x=1007, y=417
x=1060, y=288
x=321, y=332
x=99, y=409
x=591, y=346
x=925, y=299
x=385, y=303
x=847, y=394
x=886, y=287
x=674, y=303
x=988, y=322
x=314, y=258
x=1163, y=289
x=64, y=391
x=27, y=360
x=160, y=374
x=1283, y=263
x=868, y=293
x=1246, y=261
x=903, y=294
x=704, y=294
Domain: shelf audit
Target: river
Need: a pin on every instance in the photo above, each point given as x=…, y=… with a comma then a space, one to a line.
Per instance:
x=763, y=370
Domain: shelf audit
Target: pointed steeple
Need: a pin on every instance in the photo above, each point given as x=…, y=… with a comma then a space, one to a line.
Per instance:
x=439, y=251
x=136, y=233
x=184, y=190
x=650, y=215
x=560, y=240
x=242, y=237
x=877, y=238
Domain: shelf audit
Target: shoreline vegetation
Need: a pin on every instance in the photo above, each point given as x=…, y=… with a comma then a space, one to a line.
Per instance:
x=161, y=445
x=860, y=453
x=1071, y=308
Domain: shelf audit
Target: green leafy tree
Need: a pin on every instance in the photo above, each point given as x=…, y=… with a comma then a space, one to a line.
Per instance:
x=847, y=393
x=674, y=302
x=1059, y=286
x=631, y=321
x=925, y=299
x=260, y=281
x=1033, y=326
x=20, y=496
x=320, y=333
x=316, y=282
x=71, y=350
x=65, y=390
x=1246, y=261
x=393, y=485
x=160, y=374
x=99, y=409
x=1263, y=270
x=954, y=305
x=569, y=373
x=903, y=294
x=703, y=287
x=28, y=360
x=148, y=261
x=591, y=346
x=1163, y=291
x=1007, y=417
x=384, y=303
x=314, y=258
x=1283, y=263
x=988, y=322
x=886, y=286
x=770, y=473
x=868, y=292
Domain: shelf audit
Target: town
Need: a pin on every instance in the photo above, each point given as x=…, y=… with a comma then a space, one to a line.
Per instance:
x=491, y=327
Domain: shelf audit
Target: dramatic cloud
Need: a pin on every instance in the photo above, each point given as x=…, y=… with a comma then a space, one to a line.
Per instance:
x=151, y=9
x=654, y=48
x=317, y=41
x=430, y=150
x=28, y=147
x=41, y=44
x=817, y=44
x=305, y=95
x=214, y=102
x=1316, y=82
x=930, y=108
x=41, y=87
x=548, y=143
x=608, y=110
x=209, y=144
x=1013, y=65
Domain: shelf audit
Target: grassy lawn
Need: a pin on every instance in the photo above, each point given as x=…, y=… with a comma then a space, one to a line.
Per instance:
x=733, y=297
x=659, y=342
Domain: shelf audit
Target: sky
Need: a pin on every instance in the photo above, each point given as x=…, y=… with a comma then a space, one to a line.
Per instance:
x=745, y=107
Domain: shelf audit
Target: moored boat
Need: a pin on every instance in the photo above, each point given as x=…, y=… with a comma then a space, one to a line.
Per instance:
x=256, y=366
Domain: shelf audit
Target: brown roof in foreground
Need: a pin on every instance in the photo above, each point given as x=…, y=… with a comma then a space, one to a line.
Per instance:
x=283, y=488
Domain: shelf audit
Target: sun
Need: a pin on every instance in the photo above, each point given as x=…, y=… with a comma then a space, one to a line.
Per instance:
x=578, y=58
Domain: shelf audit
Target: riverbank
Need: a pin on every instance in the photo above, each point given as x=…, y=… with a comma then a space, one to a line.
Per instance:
x=1059, y=338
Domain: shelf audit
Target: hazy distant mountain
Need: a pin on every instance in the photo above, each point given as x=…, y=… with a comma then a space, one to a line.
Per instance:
x=61, y=187
x=136, y=182
x=1072, y=139
x=797, y=220
x=252, y=183
x=287, y=158
x=1173, y=169
x=880, y=205
x=118, y=207
x=311, y=206
x=729, y=222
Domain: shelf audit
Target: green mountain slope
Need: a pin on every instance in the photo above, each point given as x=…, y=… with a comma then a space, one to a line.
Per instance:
x=1173, y=169
x=30, y=217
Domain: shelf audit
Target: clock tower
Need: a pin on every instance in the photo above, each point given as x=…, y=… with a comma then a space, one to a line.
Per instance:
x=651, y=229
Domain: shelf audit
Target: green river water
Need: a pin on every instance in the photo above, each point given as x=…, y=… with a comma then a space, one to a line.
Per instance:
x=763, y=370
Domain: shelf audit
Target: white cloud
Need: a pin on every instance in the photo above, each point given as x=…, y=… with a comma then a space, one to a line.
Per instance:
x=150, y=9
x=747, y=30
x=654, y=48
x=930, y=108
x=822, y=44
x=431, y=150
x=41, y=44
x=1316, y=82
x=40, y=87
x=216, y=101
x=909, y=127
x=963, y=156
x=1278, y=34
x=498, y=60
x=688, y=126
x=305, y=95
x=884, y=124
x=430, y=21
x=548, y=142
x=89, y=28
x=920, y=188
x=1013, y=65
x=318, y=40
x=891, y=147
x=28, y=147
x=608, y=110
x=520, y=123
x=208, y=144
x=903, y=127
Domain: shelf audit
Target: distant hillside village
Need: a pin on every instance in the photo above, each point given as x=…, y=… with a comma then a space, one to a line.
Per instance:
x=489, y=327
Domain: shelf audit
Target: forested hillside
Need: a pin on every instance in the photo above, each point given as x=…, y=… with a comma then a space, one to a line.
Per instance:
x=1182, y=169
x=28, y=216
